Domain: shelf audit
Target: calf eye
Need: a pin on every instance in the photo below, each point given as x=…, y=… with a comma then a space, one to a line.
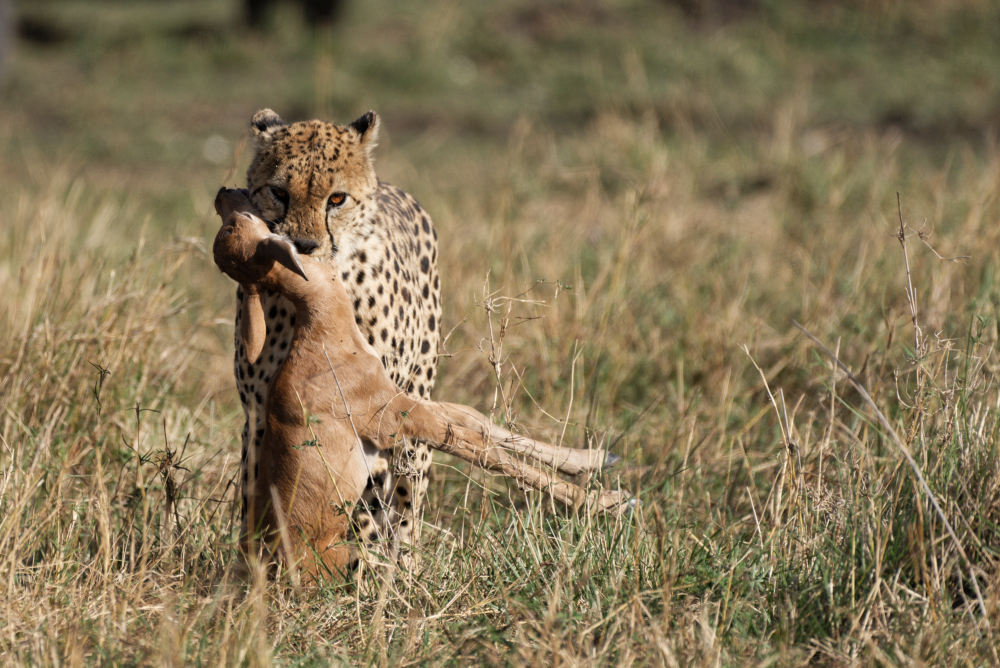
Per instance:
x=336, y=200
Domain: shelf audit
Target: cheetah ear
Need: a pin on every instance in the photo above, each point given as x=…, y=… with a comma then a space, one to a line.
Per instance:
x=263, y=124
x=367, y=128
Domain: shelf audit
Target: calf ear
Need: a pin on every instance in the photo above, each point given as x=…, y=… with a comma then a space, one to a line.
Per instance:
x=366, y=126
x=263, y=124
x=282, y=250
x=253, y=330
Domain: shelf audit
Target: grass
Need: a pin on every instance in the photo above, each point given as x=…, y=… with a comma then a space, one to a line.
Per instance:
x=634, y=207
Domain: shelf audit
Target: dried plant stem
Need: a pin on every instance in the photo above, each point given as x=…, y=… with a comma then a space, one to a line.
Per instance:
x=911, y=295
x=347, y=408
x=918, y=340
x=350, y=419
x=918, y=474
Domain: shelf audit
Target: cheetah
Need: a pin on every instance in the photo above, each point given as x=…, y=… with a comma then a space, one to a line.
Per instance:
x=314, y=182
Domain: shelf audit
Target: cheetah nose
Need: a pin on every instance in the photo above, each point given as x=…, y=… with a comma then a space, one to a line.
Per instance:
x=305, y=246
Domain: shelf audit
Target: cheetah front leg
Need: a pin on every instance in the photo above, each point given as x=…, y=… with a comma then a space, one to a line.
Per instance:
x=411, y=471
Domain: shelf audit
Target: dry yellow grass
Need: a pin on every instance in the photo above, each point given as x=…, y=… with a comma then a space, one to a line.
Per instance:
x=626, y=239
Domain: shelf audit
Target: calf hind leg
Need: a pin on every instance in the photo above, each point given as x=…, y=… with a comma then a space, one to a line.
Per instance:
x=463, y=432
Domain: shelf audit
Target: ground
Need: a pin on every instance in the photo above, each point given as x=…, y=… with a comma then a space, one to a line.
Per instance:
x=634, y=206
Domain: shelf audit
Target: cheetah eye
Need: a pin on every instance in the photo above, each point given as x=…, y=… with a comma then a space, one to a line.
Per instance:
x=336, y=200
x=279, y=194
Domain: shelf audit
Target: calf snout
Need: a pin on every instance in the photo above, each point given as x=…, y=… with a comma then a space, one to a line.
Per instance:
x=228, y=200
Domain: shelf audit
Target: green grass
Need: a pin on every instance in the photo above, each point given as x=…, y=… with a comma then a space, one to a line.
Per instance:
x=638, y=195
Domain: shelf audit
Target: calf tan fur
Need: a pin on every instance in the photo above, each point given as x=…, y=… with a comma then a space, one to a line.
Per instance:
x=332, y=394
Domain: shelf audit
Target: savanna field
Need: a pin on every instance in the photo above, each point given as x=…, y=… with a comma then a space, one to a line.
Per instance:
x=637, y=202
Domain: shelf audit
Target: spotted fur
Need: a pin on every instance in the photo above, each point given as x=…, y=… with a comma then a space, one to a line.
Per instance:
x=314, y=182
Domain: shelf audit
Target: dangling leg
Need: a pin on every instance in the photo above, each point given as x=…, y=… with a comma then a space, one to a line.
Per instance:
x=463, y=432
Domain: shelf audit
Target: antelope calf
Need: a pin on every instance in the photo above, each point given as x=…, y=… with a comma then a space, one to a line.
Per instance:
x=332, y=394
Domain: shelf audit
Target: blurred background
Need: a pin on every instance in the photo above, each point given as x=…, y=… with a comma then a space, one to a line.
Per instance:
x=743, y=125
x=151, y=97
x=628, y=192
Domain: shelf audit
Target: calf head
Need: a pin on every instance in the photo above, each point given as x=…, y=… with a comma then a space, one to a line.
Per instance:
x=245, y=249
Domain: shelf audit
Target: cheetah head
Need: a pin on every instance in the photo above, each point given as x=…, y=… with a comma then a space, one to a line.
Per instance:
x=311, y=179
